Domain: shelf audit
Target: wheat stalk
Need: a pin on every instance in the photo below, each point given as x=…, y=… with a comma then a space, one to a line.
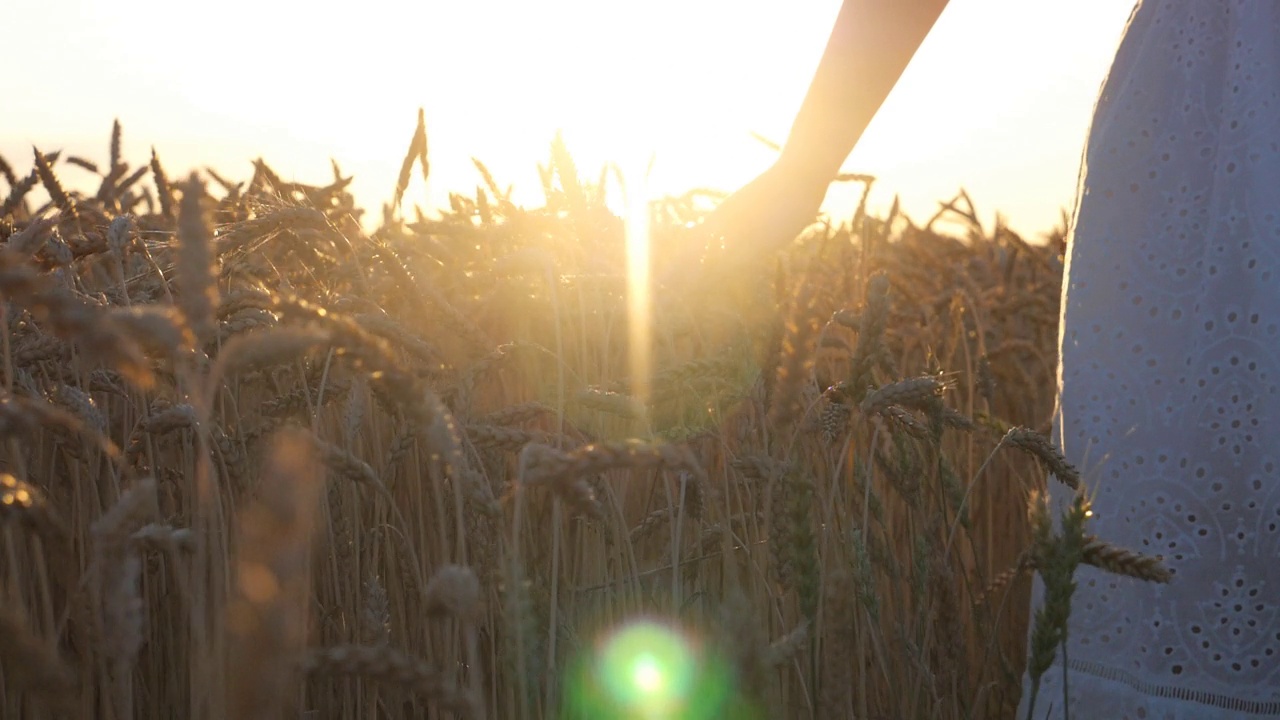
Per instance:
x=267, y=616
x=198, y=295
x=1039, y=446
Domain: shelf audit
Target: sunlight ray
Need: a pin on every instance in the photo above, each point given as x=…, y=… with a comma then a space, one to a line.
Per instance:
x=639, y=295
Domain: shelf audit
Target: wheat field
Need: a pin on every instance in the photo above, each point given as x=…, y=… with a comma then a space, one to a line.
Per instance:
x=260, y=463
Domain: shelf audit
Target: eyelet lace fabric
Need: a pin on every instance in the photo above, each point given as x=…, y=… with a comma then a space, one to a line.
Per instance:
x=1170, y=370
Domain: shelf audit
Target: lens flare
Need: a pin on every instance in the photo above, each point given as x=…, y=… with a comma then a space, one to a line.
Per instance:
x=647, y=671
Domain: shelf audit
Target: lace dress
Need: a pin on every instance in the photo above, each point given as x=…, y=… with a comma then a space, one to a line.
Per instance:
x=1170, y=370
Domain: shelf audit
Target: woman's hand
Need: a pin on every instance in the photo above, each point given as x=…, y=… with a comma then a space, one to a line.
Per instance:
x=869, y=47
x=748, y=228
x=766, y=214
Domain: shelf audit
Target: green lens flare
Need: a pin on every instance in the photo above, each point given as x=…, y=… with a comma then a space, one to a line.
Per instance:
x=648, y=671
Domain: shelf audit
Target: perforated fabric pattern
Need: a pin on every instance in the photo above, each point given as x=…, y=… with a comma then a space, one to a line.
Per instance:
x=1170, y=369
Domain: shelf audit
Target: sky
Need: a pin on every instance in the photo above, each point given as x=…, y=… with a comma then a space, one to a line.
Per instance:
x=996, y=101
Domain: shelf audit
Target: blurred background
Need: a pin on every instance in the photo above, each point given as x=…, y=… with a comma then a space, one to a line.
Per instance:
x=997, y=101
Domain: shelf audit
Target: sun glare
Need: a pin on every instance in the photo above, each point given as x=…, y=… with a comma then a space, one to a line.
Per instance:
x=638, y=286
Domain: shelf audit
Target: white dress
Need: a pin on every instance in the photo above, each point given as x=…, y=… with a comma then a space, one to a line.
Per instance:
x=1170, y=370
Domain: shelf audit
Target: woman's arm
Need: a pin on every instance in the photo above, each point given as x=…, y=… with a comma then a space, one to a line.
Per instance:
x=869, y=47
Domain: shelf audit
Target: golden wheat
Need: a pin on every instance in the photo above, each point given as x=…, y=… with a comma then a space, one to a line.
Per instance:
x=467, y=369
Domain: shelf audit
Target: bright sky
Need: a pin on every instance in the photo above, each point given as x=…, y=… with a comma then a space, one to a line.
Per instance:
x=997, y=100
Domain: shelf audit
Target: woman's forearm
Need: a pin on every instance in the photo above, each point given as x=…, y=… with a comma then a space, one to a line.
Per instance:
x=869, y=47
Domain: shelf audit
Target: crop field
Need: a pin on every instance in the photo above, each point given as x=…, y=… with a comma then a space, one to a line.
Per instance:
x=259, y=461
